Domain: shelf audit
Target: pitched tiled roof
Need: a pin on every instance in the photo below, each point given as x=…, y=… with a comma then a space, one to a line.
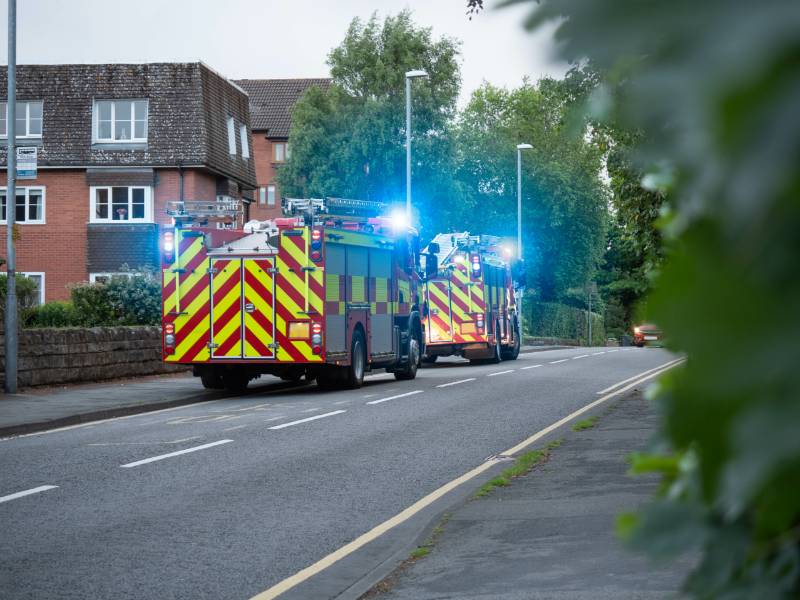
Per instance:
x=271, y=101
x=188, y=108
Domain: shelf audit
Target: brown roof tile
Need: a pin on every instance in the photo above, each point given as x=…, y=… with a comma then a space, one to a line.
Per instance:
x=271, y=102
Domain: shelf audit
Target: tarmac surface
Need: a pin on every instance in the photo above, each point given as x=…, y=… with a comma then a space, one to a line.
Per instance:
x=550, y=534
x=228, y=497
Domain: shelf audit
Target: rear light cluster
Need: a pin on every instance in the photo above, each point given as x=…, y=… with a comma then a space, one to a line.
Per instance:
x=169, y=338
x=168, y=246
x=480, y=324
x=316, y=245
x=475, y=263
x=316, y=338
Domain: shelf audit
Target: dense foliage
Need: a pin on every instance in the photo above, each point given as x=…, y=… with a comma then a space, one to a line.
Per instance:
x=27, y=297
x=712, y=87
x=349, y=140
x=554, y=320
x=122, y=300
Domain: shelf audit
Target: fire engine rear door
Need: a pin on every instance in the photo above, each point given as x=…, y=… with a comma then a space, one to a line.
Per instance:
x=259, y=308
x=226, y=308
x=440, y=314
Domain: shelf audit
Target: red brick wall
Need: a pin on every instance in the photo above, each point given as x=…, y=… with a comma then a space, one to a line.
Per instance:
x=197, y=185
x=57, y=248
x=265, y=175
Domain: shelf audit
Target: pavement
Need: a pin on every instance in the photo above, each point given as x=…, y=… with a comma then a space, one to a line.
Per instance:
x=40, y=409
x=318, y=493
x=550, y=534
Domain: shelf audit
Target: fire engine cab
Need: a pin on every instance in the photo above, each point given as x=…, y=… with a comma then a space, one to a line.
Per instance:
x=470, y=304
x=327, y=292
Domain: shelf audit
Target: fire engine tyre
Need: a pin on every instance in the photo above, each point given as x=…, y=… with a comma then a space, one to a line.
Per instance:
x=354, y=377
x=235, y=380
x=512, y=352
x=498, y=349
x=212, y=380
x=410, y=370
x=429, y=360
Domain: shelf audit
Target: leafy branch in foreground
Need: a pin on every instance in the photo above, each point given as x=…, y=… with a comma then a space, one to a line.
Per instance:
x=712, y=86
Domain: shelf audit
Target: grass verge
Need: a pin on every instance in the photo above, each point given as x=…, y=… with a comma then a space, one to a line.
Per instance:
x=523, y=465
x=585, y=424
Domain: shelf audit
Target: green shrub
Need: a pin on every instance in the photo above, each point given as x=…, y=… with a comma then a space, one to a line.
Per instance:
x=123, y=300
x=550, y=319
x=54, y=314
x=27, y=297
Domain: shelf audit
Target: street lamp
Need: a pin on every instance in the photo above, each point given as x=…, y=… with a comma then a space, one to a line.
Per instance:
x=520, y=148
x=409, y=76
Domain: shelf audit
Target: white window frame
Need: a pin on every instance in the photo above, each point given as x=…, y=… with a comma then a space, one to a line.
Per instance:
x=272, y=190
x=275, y=146
x=148, y=204
x=96, y=139
x=231, y=136
x=27, y=189
x=243, y=140
x=262, y=195
x=26, y=135
x=41, y=287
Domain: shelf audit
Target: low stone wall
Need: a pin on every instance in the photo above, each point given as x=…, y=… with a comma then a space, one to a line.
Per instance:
x=53, y=356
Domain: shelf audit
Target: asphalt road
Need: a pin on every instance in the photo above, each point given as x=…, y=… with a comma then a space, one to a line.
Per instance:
x=259, y=496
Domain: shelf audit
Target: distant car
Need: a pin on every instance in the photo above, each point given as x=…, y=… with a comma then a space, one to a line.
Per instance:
x=647, y=334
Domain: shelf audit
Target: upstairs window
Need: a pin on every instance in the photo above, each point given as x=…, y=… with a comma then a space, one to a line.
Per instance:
x=29, y=205
x=29, y=119
x=231, y=136
x=281, y=152
x=243, y=141
x=120, y=121
x=121, y=205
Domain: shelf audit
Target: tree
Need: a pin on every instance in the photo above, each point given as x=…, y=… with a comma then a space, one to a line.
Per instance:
x=712, y=86
x=564, y=201
x=349, y=140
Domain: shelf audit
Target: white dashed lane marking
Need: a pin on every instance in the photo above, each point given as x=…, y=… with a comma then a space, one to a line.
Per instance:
x=555, y=362
x=443, y=385
x=36, y=490
x=500, y=372
x=308, y=419
x=395, y=397
x=529, y=367
x=171, y=454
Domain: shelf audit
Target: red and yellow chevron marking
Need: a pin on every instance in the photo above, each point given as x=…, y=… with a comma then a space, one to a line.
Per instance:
x=299, y=294
x=186, y=300
x=440, y=325
x=259, y=327
x=226, y=307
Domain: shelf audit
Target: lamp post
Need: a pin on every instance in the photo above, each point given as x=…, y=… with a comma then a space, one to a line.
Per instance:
x=520, y=148
x=409, y=76
x=11, y=204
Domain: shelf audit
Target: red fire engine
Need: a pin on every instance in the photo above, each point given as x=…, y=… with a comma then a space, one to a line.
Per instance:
x=470, y=306
x=328, y=292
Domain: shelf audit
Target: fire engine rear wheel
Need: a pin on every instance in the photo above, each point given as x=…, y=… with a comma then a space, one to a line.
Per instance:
x=235, y=380
x=497, y=350
x=410, y=370
x=512, y=352
x=354, y=377
x=212, y=380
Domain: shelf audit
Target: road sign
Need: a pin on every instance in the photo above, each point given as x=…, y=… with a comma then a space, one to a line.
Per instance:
x=26, y=162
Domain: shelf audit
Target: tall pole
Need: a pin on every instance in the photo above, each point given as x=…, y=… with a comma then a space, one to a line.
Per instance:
x=519, y=203
x=11, y=205
x=408, y=149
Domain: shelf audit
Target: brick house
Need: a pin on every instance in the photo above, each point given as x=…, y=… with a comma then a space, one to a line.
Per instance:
x=271, y=103
x=115, y=143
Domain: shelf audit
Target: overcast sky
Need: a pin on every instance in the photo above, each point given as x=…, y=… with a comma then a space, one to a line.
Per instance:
x=263, y=38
